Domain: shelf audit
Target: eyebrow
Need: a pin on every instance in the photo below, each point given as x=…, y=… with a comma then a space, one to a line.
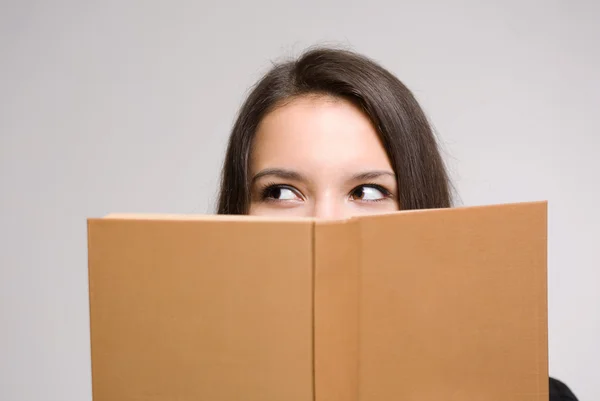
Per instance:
x=295, y=176
x=371, y=175
x=279, y=173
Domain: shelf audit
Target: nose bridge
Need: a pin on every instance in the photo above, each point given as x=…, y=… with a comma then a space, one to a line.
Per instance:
x=327, y=207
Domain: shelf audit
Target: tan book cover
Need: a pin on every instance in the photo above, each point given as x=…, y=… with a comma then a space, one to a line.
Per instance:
x=447, y=304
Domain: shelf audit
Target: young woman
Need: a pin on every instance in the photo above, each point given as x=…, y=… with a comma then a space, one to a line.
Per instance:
x=331, y=135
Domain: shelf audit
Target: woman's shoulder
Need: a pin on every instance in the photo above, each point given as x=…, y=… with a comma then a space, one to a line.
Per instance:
x=560, y=392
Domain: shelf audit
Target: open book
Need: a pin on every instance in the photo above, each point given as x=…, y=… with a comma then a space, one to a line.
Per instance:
x=422, y=305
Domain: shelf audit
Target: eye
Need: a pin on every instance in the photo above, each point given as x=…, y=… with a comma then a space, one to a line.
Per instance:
x=280, y=193
x=369, y=193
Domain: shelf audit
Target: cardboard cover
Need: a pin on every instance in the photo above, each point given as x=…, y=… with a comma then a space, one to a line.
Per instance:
x=445, y=304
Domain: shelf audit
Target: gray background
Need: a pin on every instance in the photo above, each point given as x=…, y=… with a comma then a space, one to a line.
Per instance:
x=121, y=106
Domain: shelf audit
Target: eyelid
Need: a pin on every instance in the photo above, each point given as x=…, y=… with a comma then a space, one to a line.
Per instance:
x=272, y=185
x=385, y=193
x=378, y=187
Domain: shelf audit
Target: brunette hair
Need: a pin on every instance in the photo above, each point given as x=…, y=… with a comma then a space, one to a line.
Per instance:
x=393, y=110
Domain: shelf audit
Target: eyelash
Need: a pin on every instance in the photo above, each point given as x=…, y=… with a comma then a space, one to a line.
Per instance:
x=264, y=192
x=386, y=194
x=271, y=186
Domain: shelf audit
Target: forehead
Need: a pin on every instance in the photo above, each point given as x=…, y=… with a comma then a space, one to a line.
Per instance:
x=317, y=134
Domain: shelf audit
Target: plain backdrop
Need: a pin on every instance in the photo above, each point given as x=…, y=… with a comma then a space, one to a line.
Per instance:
x=122, y=106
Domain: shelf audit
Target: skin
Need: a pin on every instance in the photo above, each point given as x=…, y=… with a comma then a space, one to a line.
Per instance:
x=320, y=157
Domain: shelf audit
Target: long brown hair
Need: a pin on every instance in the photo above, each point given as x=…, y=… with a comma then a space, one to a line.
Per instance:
x=393, y=110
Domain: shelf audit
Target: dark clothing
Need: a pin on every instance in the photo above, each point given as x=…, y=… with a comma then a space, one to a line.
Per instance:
x=560, y=392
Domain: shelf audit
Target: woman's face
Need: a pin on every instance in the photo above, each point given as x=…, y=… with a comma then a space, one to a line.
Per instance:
x=320, y=157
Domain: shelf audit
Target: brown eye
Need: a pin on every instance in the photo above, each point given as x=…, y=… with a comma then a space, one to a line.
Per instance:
x=280, y=193
x=369, y=193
